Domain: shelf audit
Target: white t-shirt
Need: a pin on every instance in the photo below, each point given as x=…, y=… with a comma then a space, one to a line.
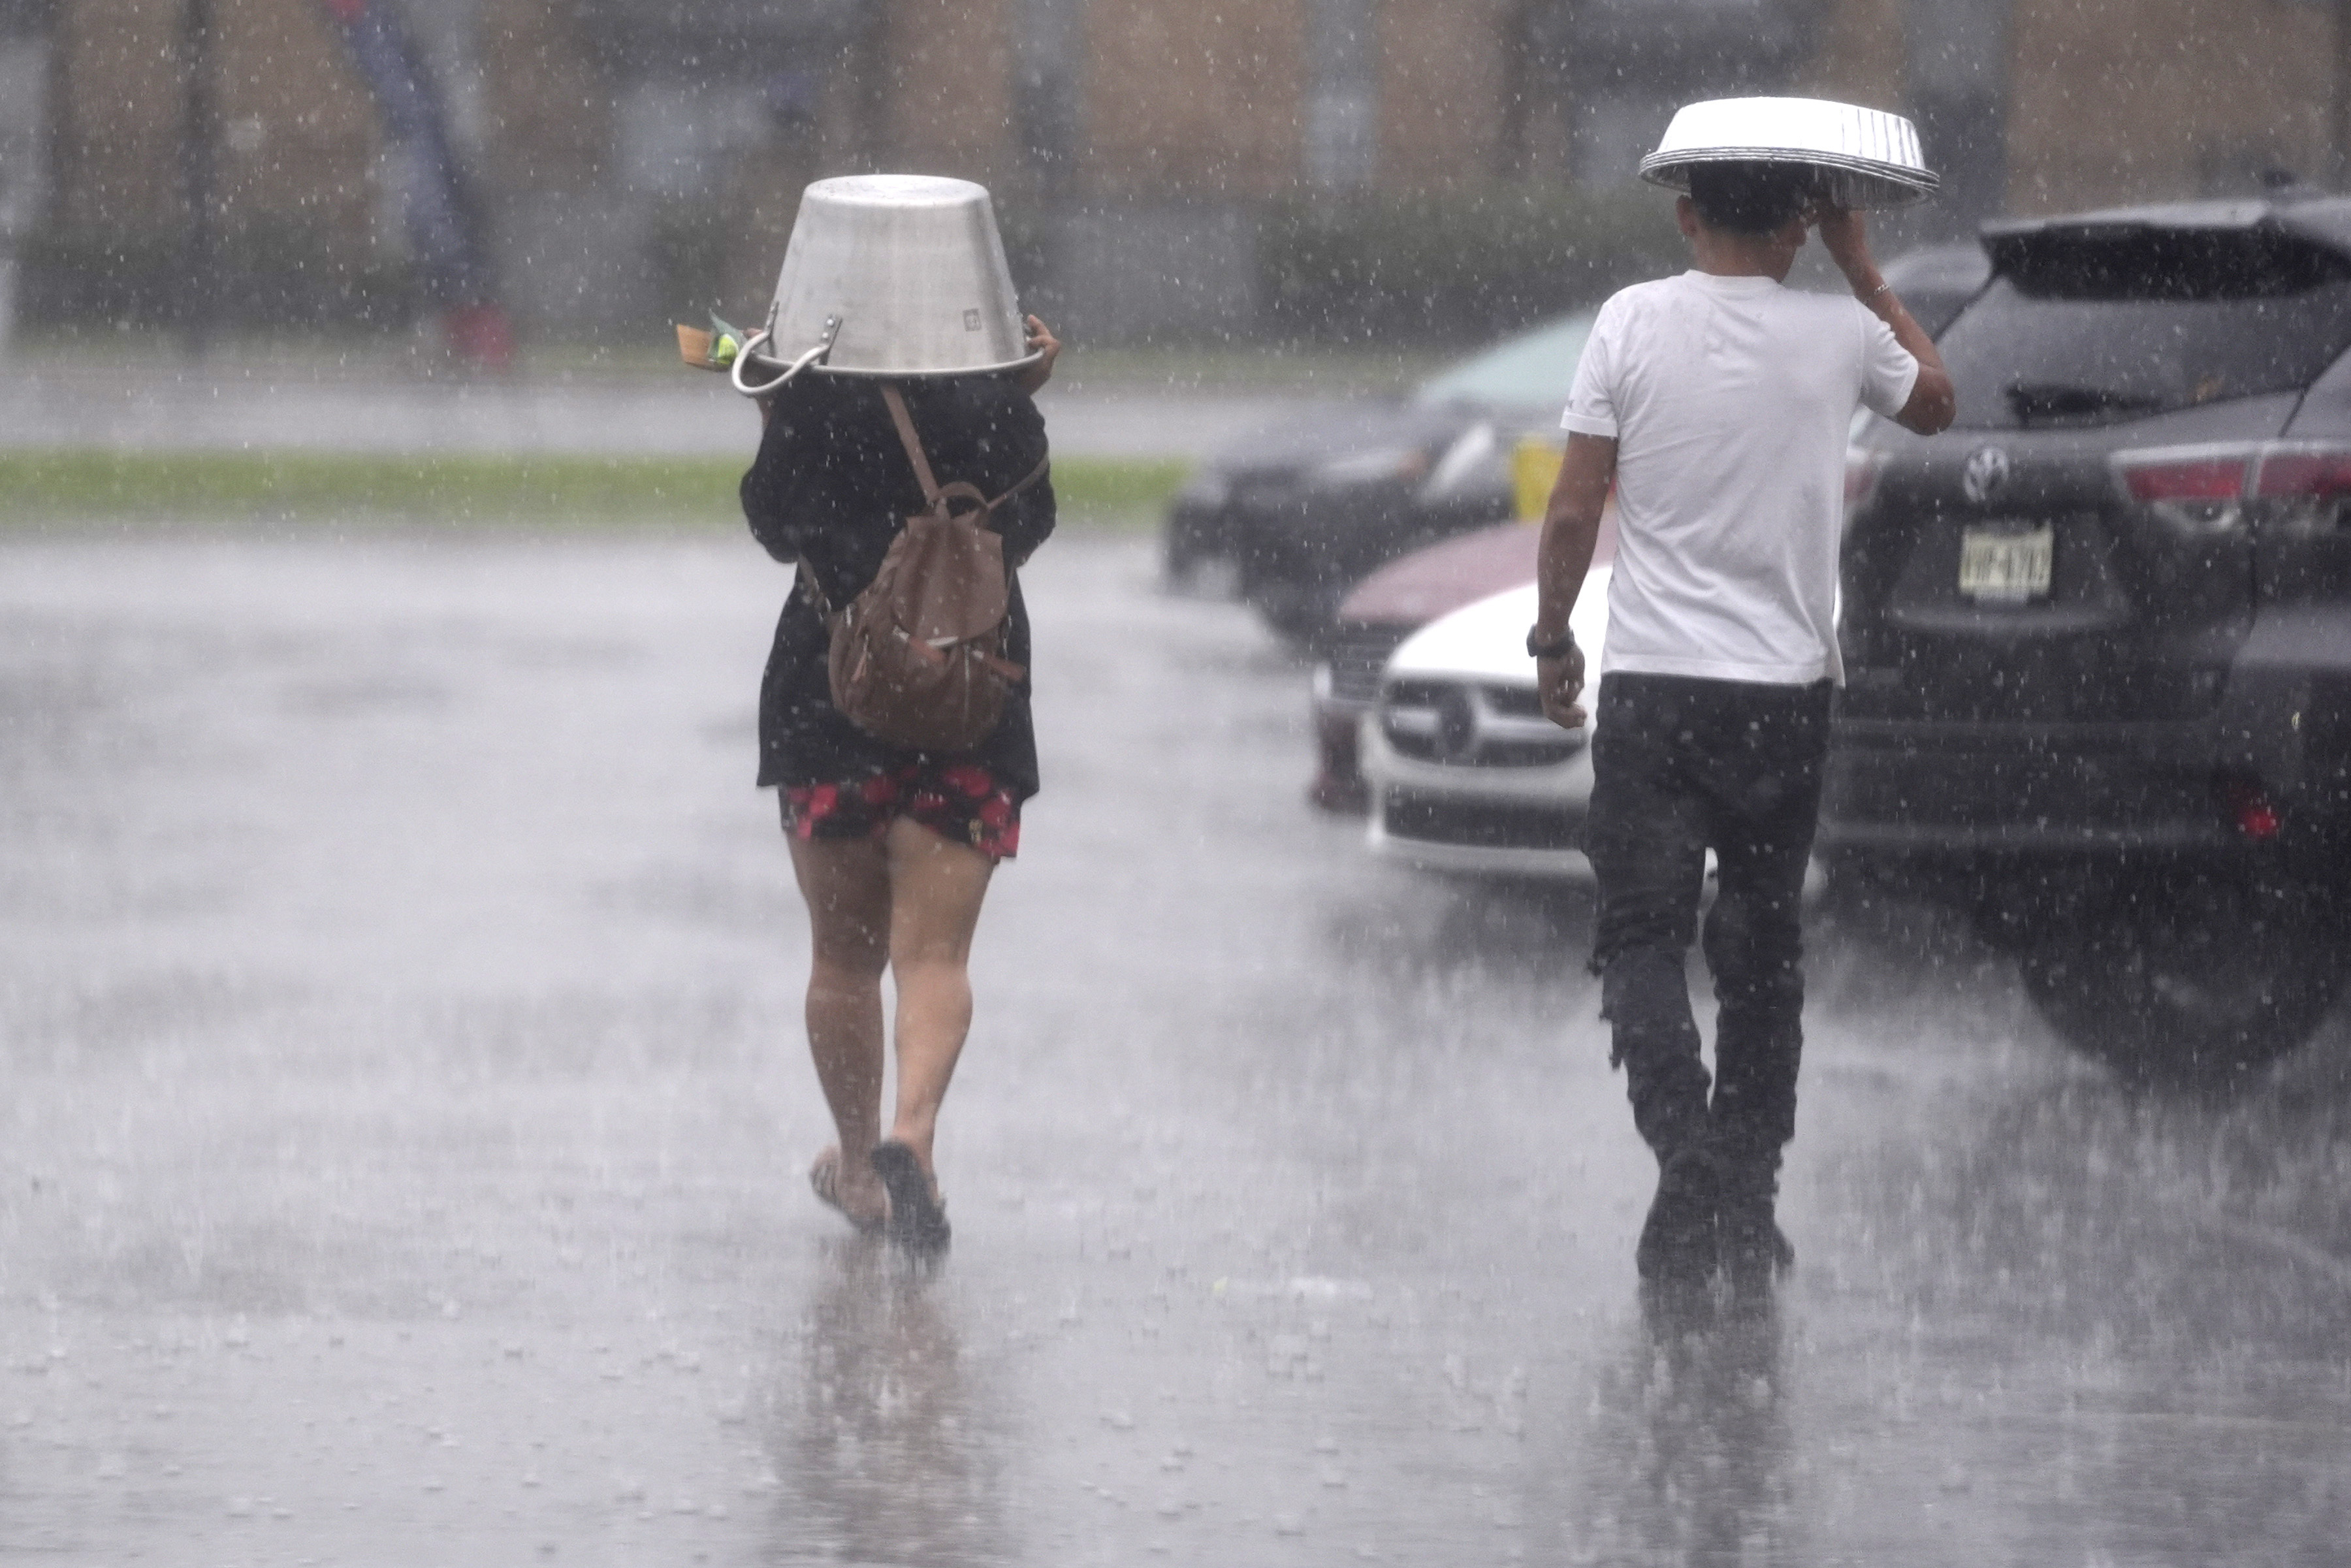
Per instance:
x=1730, y=400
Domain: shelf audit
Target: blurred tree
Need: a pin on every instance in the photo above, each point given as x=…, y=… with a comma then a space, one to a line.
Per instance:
x=24, y=65
x=2341, y=117
x=442, y=219
x=1956, y=91
x=1342, y=100
x=199, y=168
x=1048, y=41
x=1629, y=63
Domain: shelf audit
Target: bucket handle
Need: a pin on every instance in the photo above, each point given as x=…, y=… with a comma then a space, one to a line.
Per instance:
x=751, y=346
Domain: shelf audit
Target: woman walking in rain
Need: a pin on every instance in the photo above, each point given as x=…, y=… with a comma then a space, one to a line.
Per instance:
x=893, y=844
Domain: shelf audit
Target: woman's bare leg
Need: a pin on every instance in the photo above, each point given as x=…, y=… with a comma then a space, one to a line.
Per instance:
x=847, y=885
x=936, y=887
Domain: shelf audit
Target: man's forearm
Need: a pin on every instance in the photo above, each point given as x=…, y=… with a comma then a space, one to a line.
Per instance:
x=1932, y=405
x=1879, y=298
x=1570, y=530
x=1562, y=560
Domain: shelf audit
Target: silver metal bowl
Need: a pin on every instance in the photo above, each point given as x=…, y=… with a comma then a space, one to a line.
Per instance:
x=889, y=274
x=1865, y=157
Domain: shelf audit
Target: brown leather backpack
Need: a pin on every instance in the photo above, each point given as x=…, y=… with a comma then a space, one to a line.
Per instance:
x=918, y=658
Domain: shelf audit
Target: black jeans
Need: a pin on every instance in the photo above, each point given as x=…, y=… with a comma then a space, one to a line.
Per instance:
x=1681, y=765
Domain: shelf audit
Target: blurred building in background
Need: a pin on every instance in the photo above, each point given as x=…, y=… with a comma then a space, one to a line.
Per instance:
x=1164, y=168
x=25, y=28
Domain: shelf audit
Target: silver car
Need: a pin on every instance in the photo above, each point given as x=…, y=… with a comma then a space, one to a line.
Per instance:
x=1466, y=773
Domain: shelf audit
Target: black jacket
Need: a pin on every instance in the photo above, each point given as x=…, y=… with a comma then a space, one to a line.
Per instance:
x=829, y=488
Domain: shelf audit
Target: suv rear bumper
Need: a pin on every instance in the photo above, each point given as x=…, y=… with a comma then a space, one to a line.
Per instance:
x=1947, y=790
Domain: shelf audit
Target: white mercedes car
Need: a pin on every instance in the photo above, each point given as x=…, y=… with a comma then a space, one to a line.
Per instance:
x=1465, y=774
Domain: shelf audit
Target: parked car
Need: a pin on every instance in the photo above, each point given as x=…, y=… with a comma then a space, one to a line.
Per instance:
x=1373, y=621
x=1465, y=774
x=1400, y=597
x=2098, y=633
x=1304, y=510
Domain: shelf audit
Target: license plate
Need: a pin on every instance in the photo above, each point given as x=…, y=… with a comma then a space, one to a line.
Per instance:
x=2006, y=568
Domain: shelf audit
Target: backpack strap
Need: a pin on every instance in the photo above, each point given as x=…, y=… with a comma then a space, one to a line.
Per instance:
x=1023, y=483
x=911, y=441
x=933, y=492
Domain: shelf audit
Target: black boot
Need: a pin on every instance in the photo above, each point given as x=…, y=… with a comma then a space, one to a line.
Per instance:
x=1646, y=999
x=1755, y=1250
x=1678, y=1243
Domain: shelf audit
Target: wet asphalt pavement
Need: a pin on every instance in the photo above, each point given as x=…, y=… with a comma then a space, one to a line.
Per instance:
x=402, y=1153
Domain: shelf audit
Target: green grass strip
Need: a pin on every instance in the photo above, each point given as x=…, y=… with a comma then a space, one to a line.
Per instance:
x=66, y=484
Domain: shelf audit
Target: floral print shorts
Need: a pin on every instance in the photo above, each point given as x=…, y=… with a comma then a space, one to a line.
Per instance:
x=960, y=801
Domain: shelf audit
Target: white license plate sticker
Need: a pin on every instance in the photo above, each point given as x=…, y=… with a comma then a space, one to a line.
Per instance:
x=2002, y=568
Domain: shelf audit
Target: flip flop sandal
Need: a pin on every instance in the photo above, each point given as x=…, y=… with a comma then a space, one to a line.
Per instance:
x=918, y=1222
x=824, y=1180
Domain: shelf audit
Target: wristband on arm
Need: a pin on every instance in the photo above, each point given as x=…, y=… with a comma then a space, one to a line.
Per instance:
x=1564, y=645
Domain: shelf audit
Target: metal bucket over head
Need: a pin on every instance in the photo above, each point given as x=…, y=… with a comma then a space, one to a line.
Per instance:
x=890, y=275
x=1861, y=157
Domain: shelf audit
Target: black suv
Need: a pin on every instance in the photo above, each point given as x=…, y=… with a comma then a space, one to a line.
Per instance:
x=2098, y=633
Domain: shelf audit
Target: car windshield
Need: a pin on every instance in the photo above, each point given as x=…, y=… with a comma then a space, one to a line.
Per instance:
x=2084, y=333
x=1532, y=370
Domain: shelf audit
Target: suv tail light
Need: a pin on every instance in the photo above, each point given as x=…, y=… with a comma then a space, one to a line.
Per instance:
x=2208, y=491
x=2214, y=478
x=2303, y=488
x=2297, y=470
x=2248, y=806
x=2199, y=490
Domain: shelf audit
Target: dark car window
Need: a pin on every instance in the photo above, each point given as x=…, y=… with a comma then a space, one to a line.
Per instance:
x=2084, y=331
x=1533, y=370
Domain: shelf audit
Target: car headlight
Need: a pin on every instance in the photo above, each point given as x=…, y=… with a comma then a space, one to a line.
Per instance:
x=1387, y=464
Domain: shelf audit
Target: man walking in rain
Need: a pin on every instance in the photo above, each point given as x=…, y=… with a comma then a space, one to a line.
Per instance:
x=1717, y=404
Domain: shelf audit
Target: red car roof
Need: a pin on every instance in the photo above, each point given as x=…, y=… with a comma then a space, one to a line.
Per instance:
x=1417, y=589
